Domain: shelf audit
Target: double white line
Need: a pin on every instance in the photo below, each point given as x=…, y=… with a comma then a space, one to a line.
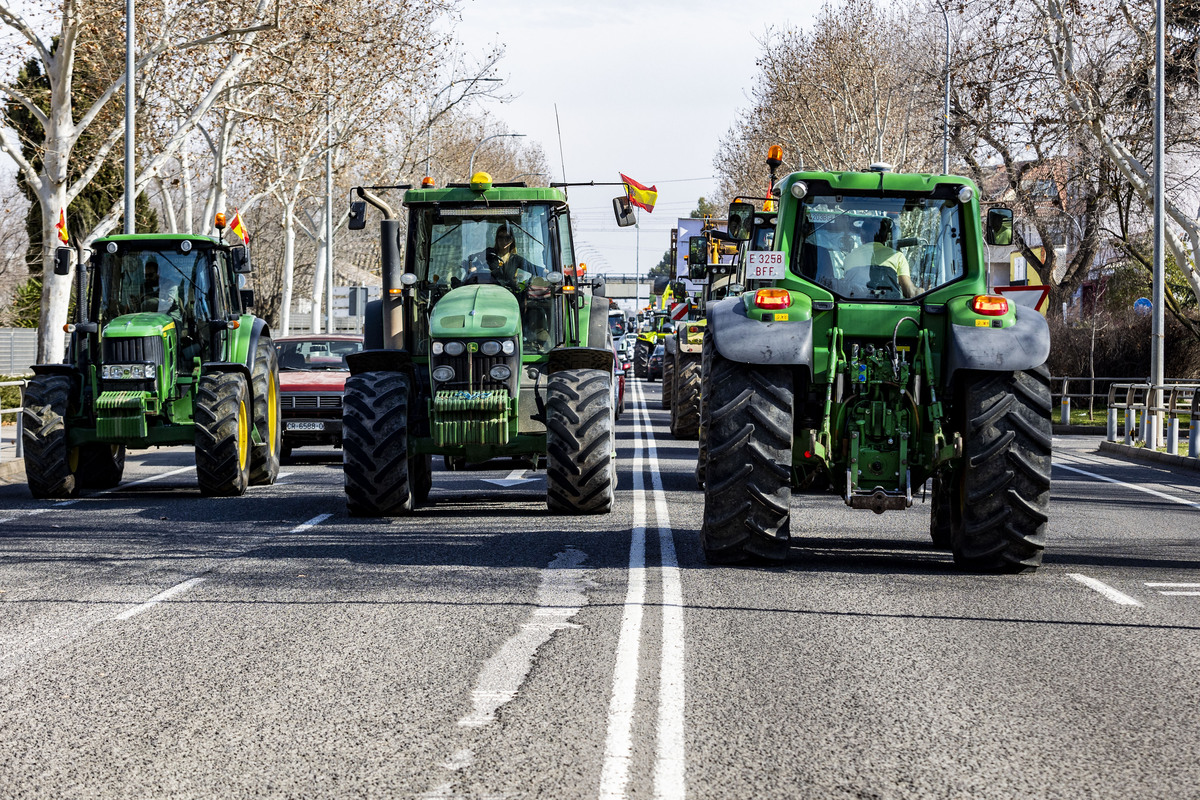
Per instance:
x=669, y=748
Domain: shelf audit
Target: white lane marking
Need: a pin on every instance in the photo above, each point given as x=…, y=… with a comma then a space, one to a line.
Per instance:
x=1129, y=485
x=312, y=523
x=73, y=501
x=561, y=594
x=618, y=742
x=1182, y=594
x=1120, y=598
x=174, y=591
x=515, y=475
x=1172, y=585
x=669, y=756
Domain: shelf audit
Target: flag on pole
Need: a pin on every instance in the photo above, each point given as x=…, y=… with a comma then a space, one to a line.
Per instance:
x=62, y=225
x=238, y=228
x=640, y=196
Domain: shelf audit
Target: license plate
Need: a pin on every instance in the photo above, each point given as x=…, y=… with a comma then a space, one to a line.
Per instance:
x=300, y=425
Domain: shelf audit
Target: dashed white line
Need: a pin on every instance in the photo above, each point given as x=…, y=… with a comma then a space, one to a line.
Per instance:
x=174, y=591
x=1120, y=598
x=74, y=500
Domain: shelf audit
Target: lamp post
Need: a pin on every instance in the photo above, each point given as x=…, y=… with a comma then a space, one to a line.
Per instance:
x=946, y=108
x=129, y=111
x=1158, y=318
x=433, y=103
x=471, y=166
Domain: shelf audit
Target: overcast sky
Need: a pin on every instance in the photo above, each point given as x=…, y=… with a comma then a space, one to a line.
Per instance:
x=646, y=88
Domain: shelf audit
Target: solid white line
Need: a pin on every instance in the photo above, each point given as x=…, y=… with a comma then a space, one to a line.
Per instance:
x=1173, y=585
x=669, y=755
x=1120, y=598
x=618, y=743
x=160, y=597
x=1182, y=594
x=1129, y=486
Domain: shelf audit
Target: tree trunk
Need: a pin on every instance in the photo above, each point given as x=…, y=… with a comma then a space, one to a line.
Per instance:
x=289, y=268
x=56, y=289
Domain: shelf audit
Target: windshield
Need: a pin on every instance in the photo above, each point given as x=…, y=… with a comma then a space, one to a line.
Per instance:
x=879, y=248
x=506, y=246
x=163, y=281
x=312, y=354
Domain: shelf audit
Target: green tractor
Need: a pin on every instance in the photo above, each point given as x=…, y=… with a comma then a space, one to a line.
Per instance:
x=485, y=346
x=869, y=358
x=162, y=352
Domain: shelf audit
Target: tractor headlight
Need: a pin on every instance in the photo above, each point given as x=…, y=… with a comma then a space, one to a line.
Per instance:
x=454, y=348
x=509, y=347
x=135, y=372
x=500, y=372
x=443, y=374
x=490, y=348
x=437, y=348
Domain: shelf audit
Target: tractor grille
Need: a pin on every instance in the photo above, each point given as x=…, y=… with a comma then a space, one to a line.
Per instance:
x=313, y=400
x=475, y=379
x=133, y=349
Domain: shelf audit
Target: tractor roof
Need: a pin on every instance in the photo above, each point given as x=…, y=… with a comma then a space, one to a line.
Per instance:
x=464, y=194
x=877, y=181
x=165, y=238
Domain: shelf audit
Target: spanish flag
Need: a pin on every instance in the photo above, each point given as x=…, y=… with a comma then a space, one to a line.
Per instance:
x=640, y=196
x=62, y=225
x=238, y=228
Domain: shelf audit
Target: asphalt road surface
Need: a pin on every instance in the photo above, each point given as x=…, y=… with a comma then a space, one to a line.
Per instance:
x=156, y=644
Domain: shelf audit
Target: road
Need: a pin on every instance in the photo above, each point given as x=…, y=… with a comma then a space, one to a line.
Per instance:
x=156, y=644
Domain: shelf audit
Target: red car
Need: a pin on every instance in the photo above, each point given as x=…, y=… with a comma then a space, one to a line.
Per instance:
x=312, y=380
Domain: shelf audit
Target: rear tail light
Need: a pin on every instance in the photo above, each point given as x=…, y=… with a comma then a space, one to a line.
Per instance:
x=989, y=305
x=772, y=299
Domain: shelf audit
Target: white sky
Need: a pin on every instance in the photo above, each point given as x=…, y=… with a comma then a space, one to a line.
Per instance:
x=647, y=88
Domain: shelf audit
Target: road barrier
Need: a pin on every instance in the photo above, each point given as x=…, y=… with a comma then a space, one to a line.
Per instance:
x=20, y=449
x=1179, y=406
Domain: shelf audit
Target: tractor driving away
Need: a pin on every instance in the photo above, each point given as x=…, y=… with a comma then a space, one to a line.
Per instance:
x=868, y=357
x=163, y=352
x=484, y=346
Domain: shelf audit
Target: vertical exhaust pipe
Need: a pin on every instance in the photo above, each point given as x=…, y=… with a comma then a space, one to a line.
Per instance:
x=393, y=288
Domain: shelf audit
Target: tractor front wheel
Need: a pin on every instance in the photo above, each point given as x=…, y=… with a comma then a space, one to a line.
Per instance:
x=580, y=442
x=748, y=478
x=668, y=379
x=101, y=465
x=1003, y=502
x=223, y=421
x=265, y=457
x=50, y=466
x=375, y=452
x=641, y=358
x=685, y=410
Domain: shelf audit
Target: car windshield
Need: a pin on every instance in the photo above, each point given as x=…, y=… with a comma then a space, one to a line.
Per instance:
x=879, y=248
x=161, y=281
x=316, y=354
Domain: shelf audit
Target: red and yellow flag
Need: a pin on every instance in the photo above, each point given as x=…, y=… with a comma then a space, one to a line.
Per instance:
x=61, y=225
x=640, y=196
x=238, y=228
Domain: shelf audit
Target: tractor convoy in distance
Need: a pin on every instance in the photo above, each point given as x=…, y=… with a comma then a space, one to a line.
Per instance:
x=837, y=337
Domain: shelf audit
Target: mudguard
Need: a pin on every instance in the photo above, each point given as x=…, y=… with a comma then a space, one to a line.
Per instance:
x=380, y=360
x=670, y=344
x=373, y=325
x=739, y=338
x=257, y=331
x=581, y=358
x=227, y=366
x=598, y=324
x=1024, y=345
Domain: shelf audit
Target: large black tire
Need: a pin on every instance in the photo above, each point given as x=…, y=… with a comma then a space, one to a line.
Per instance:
x=264, y=458
x=748, y=485
x=50, y=466
x=1004, y=488
x=100, y=465
x=641, y=358
x=580, y=442
x=668, y=378
x=421, y=472
x=942, y=511
x=375, y=452
x=706, y=354
x=685, y=411
x=223, y=421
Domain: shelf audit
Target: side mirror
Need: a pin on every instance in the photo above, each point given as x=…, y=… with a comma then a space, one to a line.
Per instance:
x=697, y=258
x=623, y=210
x=599, y=286
x=62, y=261
x=247, y=298
x=999, y=227
x=239, y=257
x=740, y=217
x=358, y=215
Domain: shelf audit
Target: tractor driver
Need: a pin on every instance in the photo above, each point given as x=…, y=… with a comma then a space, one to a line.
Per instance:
x=880, y=253
x=508, y=268
x=161, y=288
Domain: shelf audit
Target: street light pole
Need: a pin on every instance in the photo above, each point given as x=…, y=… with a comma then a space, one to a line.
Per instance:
x=471, y=166
x=433, y=104
x=129, y=111
x=946, y=108
x=1154, y=418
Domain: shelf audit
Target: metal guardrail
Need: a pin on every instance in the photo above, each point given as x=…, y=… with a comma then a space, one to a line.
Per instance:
x=20, y=449
x=1180, y=403
x=1092, y=389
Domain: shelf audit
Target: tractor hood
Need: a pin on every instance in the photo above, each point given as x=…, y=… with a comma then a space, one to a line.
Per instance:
x=485, y=310
x=146, y=323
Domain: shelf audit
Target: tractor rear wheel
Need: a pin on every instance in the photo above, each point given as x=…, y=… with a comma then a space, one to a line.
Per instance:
x=50, y=466
x=264, y=458
x=375, y=453
x=685, y=412
x=641, y=358
x=668, y=379
x=223, y=421
x=580, y=442
x=1003, y=502
x=101, y=465
x=748, y=480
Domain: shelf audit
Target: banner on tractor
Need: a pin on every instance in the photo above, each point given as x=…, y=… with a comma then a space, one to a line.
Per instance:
x=641, y=196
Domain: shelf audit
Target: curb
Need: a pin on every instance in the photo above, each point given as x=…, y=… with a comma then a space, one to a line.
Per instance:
x=1142, y=454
